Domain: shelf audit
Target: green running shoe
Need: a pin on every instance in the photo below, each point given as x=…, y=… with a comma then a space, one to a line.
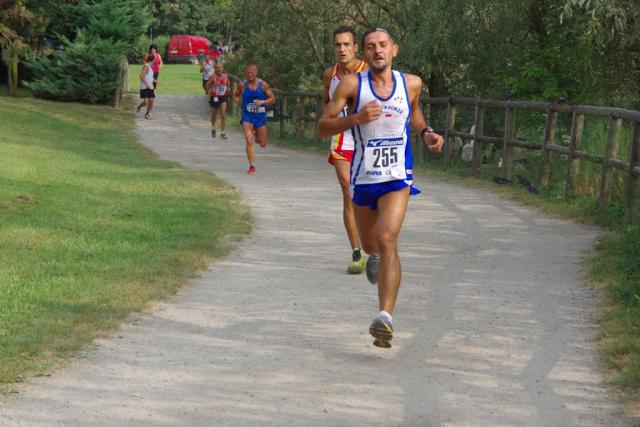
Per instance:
x=223, y=136
x=213, y=133
x=357, y=265
x=382, y=330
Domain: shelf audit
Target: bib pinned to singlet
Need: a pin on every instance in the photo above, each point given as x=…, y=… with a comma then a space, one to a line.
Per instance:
x=385, y=157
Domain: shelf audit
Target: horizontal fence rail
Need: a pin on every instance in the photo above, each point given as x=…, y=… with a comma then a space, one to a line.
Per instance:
x=608, y=158
x=301, y=108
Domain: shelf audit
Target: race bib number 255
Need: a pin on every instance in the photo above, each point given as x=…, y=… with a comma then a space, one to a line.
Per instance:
x=385, y=156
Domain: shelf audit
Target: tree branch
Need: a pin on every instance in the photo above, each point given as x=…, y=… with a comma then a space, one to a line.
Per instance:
x=316, y=50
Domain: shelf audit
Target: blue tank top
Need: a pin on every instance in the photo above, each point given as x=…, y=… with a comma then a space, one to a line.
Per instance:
x=248, y=96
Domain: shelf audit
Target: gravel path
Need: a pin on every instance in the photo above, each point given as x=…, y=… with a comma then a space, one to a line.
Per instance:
x=493, y=325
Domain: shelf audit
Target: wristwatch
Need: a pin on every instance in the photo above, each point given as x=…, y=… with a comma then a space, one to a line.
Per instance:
x=428, y=129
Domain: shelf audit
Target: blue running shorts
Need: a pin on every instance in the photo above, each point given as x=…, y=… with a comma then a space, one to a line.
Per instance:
x=257, y=120
x=368, y=194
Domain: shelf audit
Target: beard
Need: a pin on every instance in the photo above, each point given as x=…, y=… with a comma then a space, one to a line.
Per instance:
x=379, y=68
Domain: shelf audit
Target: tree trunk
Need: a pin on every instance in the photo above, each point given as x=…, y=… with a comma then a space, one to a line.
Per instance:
x=9, y=83
x=13, y=79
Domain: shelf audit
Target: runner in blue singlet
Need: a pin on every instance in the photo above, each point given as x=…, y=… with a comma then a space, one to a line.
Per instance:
x=255, y=95
x=383, y=104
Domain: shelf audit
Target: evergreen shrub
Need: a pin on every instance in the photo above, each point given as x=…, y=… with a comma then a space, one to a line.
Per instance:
x=84, y=71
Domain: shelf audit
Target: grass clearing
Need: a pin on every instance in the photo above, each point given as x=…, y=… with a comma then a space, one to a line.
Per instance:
x=92, y=228
x=174, y=79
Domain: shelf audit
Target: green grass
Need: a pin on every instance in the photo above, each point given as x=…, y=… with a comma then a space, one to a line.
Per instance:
x=613, y=266
x=174, y=79
x=92, y=228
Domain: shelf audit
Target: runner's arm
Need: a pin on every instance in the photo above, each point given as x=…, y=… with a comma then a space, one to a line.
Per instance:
x=326, y=78
x=417, y=121
x=238, y=92
x=161, y=63
x=346, y=92
x=271, y=96
x=209, y=83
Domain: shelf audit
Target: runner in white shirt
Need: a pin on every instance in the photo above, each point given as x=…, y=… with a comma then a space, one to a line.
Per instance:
x=206, y=68
x=341, y=150
x=147, y=91
x=383, y=104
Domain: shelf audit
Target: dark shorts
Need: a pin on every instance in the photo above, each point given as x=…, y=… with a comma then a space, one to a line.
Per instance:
x=147, y=93
x=204, y=82
x=368, y=194
x=155, y=79
x=220, y=100
x=256, y=119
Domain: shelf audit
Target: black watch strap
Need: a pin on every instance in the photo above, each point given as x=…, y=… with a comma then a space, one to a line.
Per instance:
x=428, y=129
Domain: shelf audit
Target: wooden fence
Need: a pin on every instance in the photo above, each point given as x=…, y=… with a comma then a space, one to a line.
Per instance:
x=507, y=142
x=608, y=158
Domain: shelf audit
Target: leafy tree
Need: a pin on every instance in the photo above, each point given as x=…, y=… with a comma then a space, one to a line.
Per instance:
x=18, y=26
x=212, y=19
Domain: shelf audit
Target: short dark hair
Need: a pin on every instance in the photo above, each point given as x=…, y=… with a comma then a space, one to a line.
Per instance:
x=376, y=29
x=153, y=46
x=151, y=57
x=345, y=29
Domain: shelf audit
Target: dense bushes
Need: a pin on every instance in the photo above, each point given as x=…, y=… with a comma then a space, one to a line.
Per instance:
x=86, y=66
x=84, y=71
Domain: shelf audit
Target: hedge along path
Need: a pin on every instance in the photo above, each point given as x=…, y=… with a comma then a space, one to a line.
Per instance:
x=493, y=324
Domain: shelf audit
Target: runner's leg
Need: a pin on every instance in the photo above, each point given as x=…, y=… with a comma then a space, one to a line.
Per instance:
x=223, y=117
x=366, y=221
x=342, y=171
x=262, y=136
x=392, y=208
x=247, y=129
x=213, y=118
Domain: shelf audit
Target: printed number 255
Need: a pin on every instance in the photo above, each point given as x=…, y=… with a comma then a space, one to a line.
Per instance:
x=384, y=156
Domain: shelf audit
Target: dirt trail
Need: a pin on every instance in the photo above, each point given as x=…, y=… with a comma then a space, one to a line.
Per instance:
x=493, y=326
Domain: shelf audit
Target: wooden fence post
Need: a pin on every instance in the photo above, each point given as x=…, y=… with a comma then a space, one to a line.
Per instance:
x=577, y=126
x=283, y=114
x=611, y=151
x=478, y=128
x=545, y=154
x=298, y=115
x=122, y=82
x=632, y=180
x=449, y=140
x=507, y=149
x=232, y=91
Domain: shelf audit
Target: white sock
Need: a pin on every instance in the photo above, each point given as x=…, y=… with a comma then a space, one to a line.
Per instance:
x=386, y=315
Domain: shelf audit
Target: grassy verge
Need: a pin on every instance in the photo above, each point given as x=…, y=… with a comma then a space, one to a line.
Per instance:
x=174, y=79
x=613, y=266
x=93, y=227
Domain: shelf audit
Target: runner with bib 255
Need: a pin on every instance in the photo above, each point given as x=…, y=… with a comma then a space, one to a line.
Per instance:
x=383, y=104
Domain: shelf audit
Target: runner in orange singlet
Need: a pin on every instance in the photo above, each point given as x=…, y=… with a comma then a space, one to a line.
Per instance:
x=341, y=151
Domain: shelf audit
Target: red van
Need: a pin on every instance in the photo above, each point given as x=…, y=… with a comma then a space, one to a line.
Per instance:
x=185, y=49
